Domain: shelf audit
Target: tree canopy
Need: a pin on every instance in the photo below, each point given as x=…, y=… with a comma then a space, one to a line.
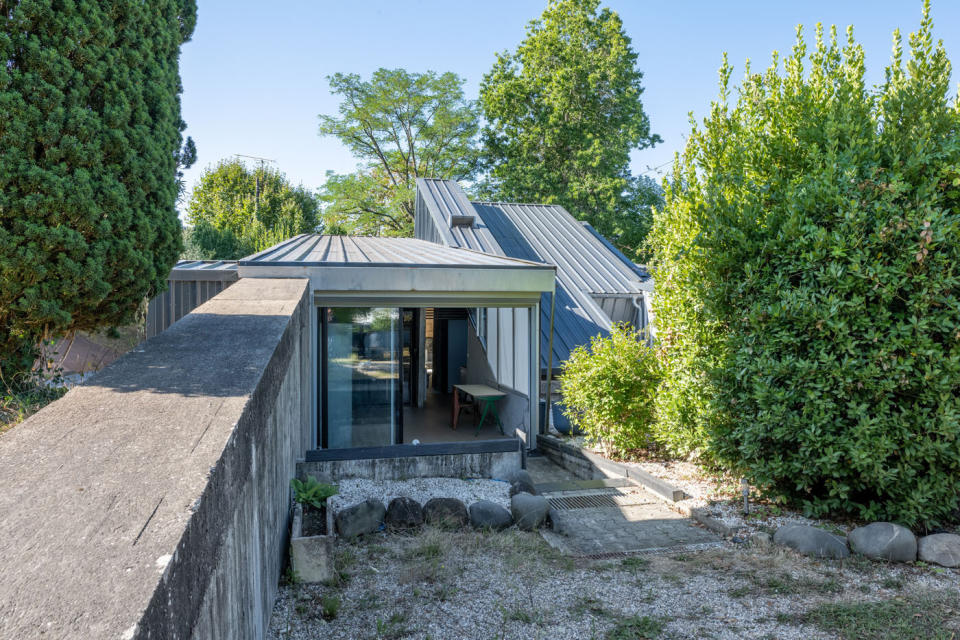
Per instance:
x=236, y=211
x=91, y=135
x=563, y=113
x=808, y=282
x=401, y=126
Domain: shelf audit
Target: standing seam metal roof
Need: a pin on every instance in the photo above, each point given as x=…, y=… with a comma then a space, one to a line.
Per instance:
x=586, y=263
x=319, y=250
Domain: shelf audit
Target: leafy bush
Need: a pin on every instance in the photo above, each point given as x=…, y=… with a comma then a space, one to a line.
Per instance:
x=808, y=283
x=608, y=390
x=312, y=492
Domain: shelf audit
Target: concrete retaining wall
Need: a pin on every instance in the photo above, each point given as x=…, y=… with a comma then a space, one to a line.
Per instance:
x=497, y=465
x=153, y=502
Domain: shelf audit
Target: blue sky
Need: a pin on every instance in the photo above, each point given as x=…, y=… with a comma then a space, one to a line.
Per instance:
x=254, y=74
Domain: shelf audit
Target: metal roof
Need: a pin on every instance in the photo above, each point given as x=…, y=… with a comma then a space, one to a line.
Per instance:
x=328, y=251
x=587, y=264
x=205, y=270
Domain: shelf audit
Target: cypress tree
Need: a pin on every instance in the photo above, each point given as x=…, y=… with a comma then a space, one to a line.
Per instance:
x=90, y=142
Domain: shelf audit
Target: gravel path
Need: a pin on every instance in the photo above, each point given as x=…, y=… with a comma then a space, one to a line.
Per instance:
x=420, y=489
x=466, y=585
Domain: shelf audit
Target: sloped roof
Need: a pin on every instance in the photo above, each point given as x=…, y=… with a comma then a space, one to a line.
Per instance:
x=321, y=250
x=587, y=264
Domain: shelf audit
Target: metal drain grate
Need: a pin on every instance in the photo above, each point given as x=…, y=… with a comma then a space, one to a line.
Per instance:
x=584, y=502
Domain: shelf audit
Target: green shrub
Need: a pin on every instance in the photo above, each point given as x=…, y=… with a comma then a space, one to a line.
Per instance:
x=312, y=492
x=808, y=283
x=608, y=390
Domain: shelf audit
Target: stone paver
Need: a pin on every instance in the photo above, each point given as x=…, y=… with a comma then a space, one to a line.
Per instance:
x=611, y=519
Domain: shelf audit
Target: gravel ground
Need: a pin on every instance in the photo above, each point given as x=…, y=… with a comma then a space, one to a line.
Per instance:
x=420, y=489
x=466, y=585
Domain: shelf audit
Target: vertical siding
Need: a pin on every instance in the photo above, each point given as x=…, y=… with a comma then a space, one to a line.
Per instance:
x=180, y=298
x=505, y=348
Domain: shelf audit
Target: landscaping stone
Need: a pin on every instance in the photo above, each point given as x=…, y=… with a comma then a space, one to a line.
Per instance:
x=489, y=515
x=446, y=512
x=811, y=541
x=358, y=519
x=884, y=541
x=404, y=513
x=521, y=482
x=940, y=548
x=529, y=511
x=761, y=539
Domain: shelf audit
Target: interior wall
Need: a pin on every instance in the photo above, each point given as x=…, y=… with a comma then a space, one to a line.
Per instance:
x=514, y=409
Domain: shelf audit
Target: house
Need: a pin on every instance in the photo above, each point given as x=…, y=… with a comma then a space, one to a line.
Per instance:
x=166, y=476
x=489, y=293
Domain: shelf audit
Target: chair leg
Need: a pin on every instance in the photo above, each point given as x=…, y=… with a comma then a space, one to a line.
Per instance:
x=456, y=409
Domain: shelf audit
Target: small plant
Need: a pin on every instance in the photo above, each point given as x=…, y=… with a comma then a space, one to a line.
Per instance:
x=290, y=577
x=393, y=628
x=329, y=607
x=312, y=492
x=636, y=628
x=635, y=562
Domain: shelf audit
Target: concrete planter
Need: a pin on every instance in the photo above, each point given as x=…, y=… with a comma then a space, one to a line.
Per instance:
x=312, y=556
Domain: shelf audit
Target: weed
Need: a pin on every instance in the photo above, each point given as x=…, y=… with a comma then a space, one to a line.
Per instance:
x=311, y=491
x=672, y=578
x=636, y=628
x=588, y=605
x=329, y=607
x=519, y=615
x=290, y=577
x=444, y=592
x=343, y=561
x=392, y=628
x=636, y=563
x=892, y=583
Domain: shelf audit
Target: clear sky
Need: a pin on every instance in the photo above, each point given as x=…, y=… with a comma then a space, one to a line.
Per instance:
x=254, y=74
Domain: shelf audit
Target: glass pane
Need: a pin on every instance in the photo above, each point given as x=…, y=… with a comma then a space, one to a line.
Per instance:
x=363, y=376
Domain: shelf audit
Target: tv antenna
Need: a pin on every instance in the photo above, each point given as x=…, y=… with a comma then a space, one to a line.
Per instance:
x=256, y=175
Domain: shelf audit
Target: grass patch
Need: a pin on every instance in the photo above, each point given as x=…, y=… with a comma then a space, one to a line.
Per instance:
x=589, y=605
x=785, y=584
x=635, y=562
x=930, y=616
x=343, y=561
x=329, y=607
x=636, y=628
x=393, y=627
x=17, y=406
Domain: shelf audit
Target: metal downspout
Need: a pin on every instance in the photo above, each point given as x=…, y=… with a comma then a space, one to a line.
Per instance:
x=546, y=413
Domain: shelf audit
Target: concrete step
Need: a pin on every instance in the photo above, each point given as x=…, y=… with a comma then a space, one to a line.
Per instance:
x=583, y=485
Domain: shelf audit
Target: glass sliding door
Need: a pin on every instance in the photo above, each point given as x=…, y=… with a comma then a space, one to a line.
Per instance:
x=360, y=377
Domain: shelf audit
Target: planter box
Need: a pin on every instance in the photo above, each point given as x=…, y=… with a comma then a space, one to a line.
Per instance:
x=311, y=557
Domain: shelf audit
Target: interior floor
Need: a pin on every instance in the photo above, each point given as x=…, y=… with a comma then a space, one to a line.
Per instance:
x=432, y=422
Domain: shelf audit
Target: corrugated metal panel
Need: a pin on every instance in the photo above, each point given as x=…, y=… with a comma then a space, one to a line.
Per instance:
x=190, y=284
x=318, y=250
x=588, y=266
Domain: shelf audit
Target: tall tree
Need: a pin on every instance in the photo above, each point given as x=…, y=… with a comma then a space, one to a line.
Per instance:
x=236, y=211
x=563, y=113
x=401, y=126
x=91, y=135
